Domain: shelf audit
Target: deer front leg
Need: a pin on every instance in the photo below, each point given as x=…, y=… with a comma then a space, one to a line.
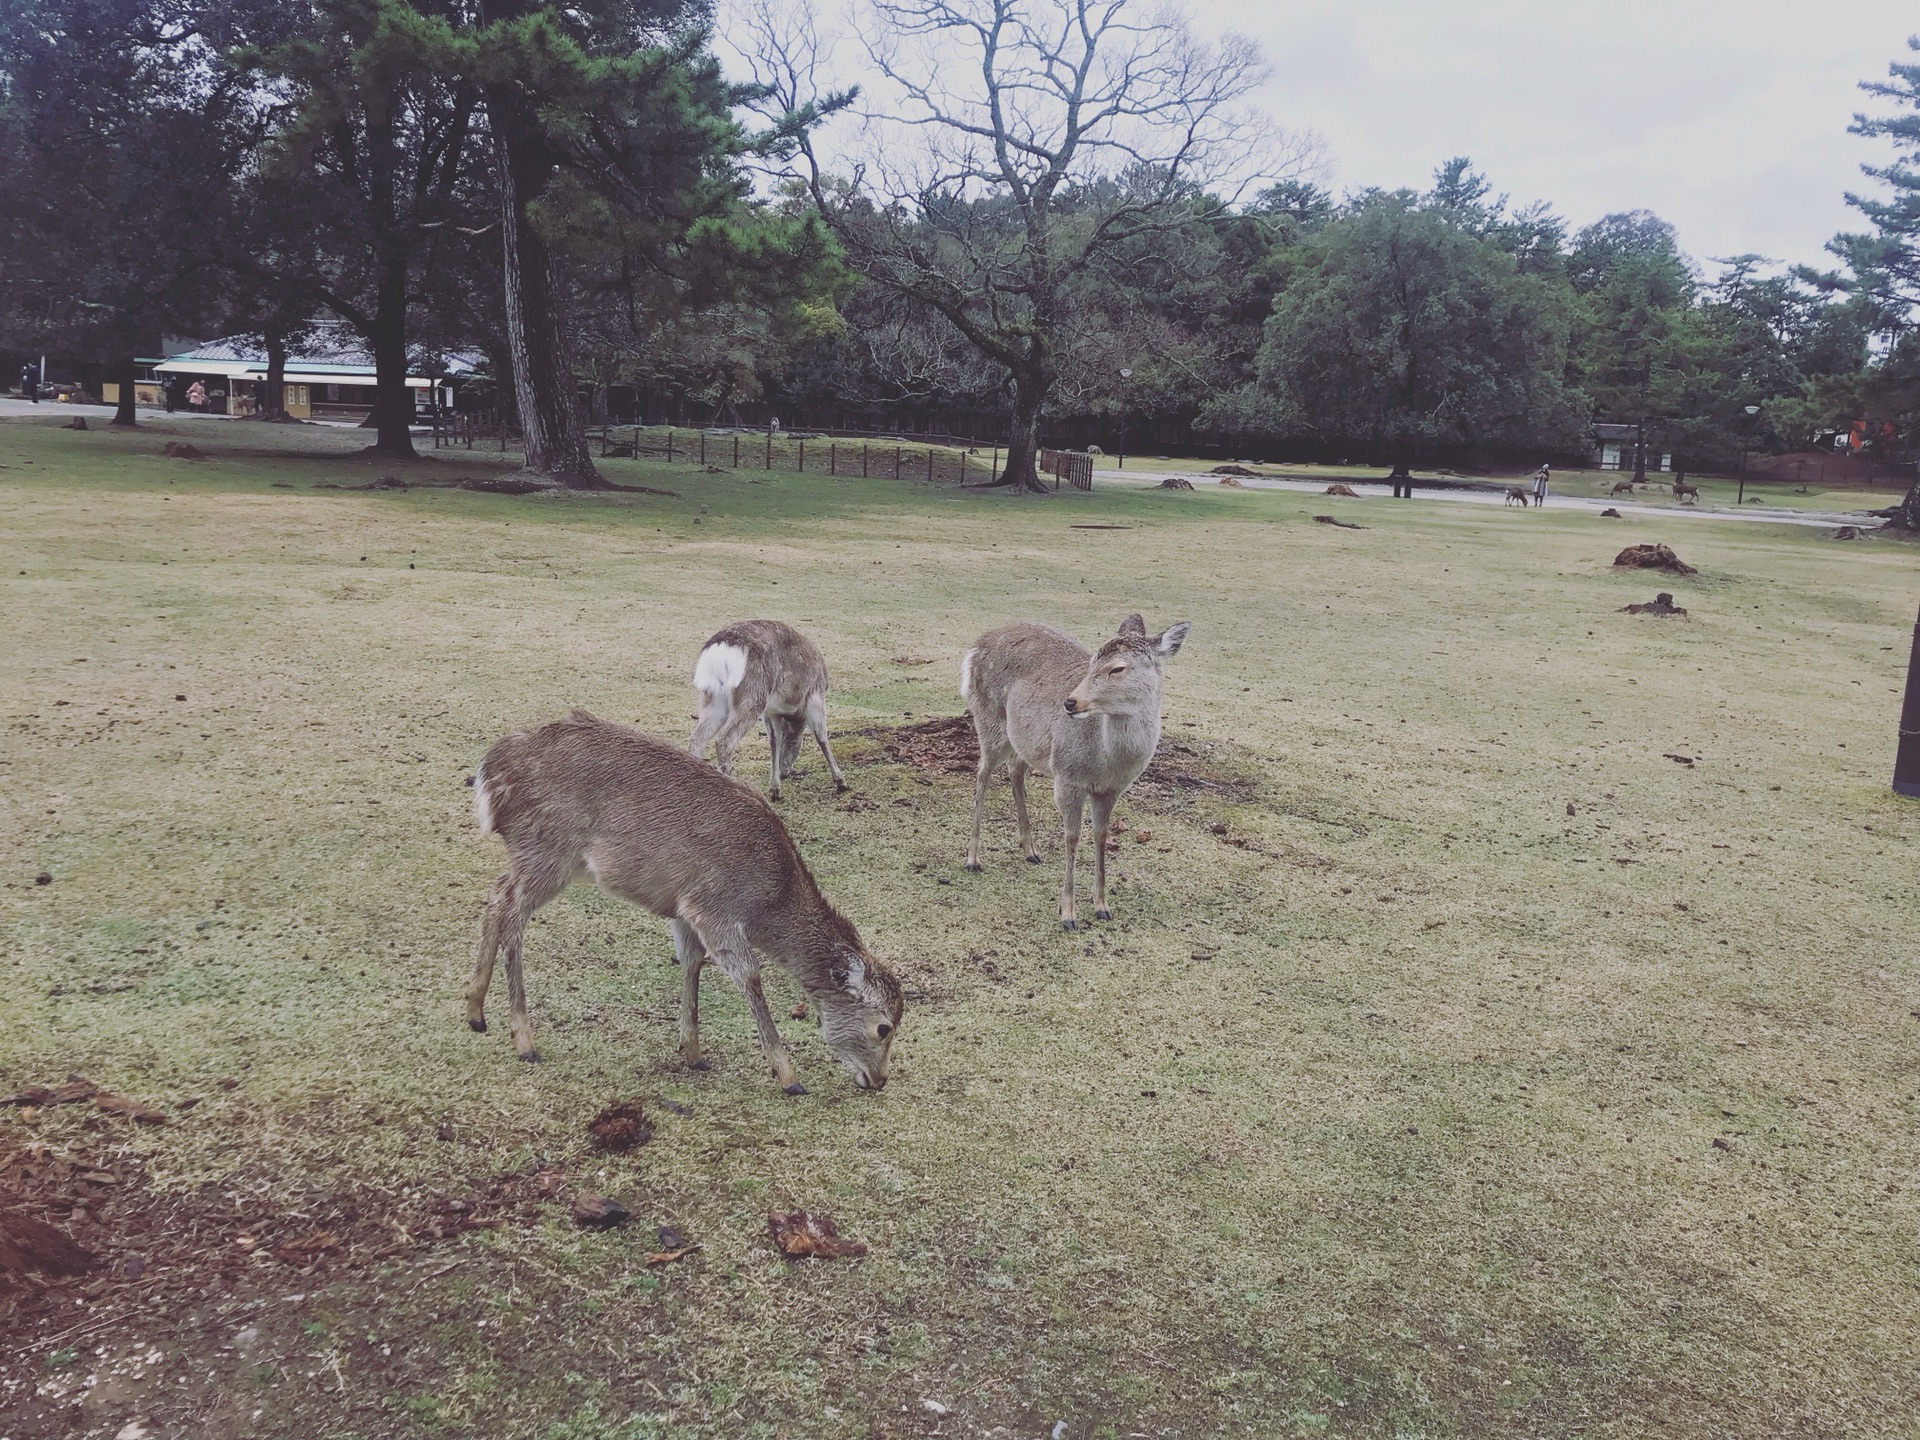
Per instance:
x=690, y=955
x=817, y=723
x=771, y=1045
x=979, y=806
x=1100, y=809
x=1072, y=802
x=774, y=731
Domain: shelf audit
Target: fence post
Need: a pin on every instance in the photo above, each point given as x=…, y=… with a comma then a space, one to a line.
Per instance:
x=833, y=459
x=863, y=459
x=803, y=457
x=669, y=444
x=929, y=464
x=736, y=451
x=896, y=462
x=769, y=449
x=703, y=447
x=993, y=470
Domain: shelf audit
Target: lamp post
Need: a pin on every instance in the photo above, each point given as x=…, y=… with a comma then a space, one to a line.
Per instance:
x=1746, y=441
x=1121, y=459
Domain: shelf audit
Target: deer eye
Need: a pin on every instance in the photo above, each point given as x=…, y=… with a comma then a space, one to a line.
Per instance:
x=1118, y=670
x=885, y=1030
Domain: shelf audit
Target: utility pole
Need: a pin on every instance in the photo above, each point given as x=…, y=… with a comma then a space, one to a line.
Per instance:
x=1746, y=443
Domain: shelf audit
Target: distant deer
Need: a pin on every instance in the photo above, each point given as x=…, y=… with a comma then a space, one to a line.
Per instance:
x=1621, y=487
x=1039, y=701
x=582, y=799
x=1518, y=495
x=1684, y=492
x=758, y=669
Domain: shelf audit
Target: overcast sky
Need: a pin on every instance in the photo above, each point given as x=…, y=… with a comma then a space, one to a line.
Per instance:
x=1728, y=119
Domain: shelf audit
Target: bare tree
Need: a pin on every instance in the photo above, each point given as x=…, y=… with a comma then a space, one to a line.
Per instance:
x=977, y=196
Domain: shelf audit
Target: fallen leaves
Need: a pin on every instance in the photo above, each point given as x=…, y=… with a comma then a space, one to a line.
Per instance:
x=27, y=1245
x=799, y=1236
x=597, y=1212
x=620, y=1127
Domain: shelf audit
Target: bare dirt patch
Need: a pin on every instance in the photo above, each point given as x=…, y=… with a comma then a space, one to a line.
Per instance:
x=1177, y=772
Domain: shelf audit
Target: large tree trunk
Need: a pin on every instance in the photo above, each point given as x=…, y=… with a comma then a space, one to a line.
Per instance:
x=1640, y=452
x=1023, y=440
x=392, y=402
x=123, y=370
x=551, y=421
x=274, y=407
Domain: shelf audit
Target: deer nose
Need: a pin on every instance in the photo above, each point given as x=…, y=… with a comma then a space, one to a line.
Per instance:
x=1070, y=705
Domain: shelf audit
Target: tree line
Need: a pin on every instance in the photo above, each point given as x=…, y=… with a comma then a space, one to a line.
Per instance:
x=1049, y=225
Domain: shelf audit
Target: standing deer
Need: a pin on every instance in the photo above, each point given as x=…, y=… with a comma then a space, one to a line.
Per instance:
x=1039, y=701
x=1684, y=492
x=582, y=799
x=758, y=669
x=1621, y=486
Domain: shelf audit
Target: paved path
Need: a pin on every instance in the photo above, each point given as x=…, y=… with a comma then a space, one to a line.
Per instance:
x=1629, y=509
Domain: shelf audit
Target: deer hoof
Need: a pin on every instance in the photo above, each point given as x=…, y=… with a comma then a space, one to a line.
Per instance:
x=1033, y=859
x=1103, y=914
x=840, y=787
x=973, y=867
x=796, y=1088
x=530, y=1057
x=477, y=1025
x=1069, y=924
x=700, y=1065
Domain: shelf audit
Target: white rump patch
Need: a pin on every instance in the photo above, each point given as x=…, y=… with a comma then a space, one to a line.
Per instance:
x=719, y=670
x=482, y=806
x=966, y=674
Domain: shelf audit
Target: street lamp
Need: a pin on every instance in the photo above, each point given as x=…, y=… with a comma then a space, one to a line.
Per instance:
x=1746, y=441
x=1121, y=458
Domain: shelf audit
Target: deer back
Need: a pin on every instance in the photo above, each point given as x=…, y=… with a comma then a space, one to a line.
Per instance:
x=1017, y=679
x=765, y=658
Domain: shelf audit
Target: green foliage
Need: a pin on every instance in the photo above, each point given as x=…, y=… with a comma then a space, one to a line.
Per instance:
x=1404, y=334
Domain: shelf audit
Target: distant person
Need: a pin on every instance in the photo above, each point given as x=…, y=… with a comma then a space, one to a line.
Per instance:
x=1540, y=478
x=29, y=384
x=196, y=396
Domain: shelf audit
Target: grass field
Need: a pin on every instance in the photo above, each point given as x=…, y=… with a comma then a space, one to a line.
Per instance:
x=1493, y=1073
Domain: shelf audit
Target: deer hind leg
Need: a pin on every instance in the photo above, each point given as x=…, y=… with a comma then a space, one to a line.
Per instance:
x=690, y=955
x=482, y=977
x=715, y=711
x=993, y=750
x=816, y=721
x=1072, y=802
x=793, y=730
x=775, y=730
x=525, y=891
x=1100, y=811
x=1017, y=776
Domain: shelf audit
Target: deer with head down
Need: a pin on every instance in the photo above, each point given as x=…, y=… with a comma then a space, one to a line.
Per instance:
x=582, y=799
x=761, y=669
x=1041, y=702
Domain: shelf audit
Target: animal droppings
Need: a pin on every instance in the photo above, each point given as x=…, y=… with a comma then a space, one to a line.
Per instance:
x=619, y=1127
x=799, y=1236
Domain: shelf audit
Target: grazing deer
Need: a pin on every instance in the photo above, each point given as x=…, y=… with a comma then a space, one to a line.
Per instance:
x=1039, y=701
x=1621, y=487
x=1519, y=494
x=582, y=799
x=1684, y=492
x=758, y=669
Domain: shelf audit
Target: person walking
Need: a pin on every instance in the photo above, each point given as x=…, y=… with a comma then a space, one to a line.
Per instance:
x=1540, y=478
x=197, y=396
x=29, y=384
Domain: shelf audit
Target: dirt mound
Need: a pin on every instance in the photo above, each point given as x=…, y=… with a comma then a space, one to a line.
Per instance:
x=1609, y=512
x=1346, y=490
x=1174, y=482
x=619, y=1127
x=1661, y=604
x=1239, y=470
x=798, y=1236
x=180, y=450
x=1652, y=557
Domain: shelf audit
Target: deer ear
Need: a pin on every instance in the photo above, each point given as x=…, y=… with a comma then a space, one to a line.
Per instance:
x=1134, y=625
x=1167, y=642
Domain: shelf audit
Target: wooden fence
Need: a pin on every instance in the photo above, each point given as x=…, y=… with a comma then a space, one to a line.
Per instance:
x=1073, y=466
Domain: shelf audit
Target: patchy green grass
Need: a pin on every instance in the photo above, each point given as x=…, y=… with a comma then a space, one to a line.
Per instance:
x=1508, y=1078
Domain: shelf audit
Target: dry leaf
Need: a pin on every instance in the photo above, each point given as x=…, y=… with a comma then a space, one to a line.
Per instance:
x=798, y=1235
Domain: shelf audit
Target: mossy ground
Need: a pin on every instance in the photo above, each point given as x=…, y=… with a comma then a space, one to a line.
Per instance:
x=1507, y=1078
